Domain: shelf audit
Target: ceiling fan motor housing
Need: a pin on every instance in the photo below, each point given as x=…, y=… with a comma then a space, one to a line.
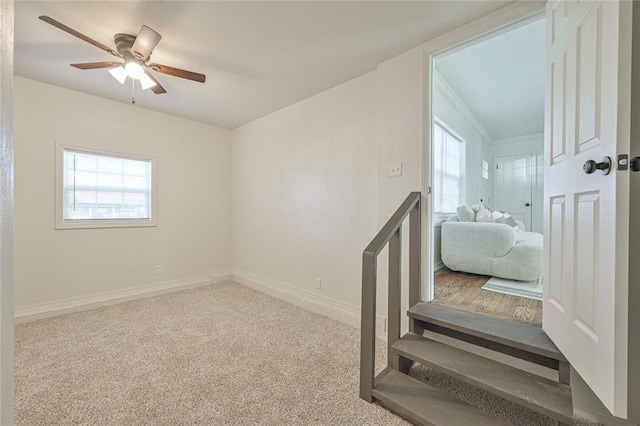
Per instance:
x=124, y=42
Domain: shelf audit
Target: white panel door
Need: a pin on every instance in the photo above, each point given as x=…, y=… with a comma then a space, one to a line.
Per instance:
x=586, y=215
x=513, y=180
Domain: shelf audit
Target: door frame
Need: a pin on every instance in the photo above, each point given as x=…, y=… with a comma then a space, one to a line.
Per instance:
x=519, y=13
x=6, y=213
x=633, y=384
x=534, y=178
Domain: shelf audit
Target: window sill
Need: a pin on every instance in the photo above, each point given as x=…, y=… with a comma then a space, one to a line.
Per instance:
x=439, y=218
x=106, y=223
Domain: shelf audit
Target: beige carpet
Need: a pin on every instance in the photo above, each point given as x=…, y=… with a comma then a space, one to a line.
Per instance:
x=216, y=355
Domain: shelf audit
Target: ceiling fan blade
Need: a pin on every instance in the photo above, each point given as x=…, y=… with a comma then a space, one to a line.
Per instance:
x=81, y=36
x=176, y=72
x=157, y=89
x=96, y=65
x=146, y=41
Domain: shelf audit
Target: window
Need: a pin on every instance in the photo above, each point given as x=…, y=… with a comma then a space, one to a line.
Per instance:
x=485, y=169
x=99, y=189
x=448, y=166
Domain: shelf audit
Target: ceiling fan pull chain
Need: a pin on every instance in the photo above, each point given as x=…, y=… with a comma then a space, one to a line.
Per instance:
x=133, y=91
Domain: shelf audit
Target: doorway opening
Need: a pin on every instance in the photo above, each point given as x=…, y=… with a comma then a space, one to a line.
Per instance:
x=487, y=174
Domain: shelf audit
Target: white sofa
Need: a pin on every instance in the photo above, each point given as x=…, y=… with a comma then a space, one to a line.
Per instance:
x=491, y=249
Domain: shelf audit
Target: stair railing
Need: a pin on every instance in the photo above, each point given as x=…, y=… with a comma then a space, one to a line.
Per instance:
x=391, y=234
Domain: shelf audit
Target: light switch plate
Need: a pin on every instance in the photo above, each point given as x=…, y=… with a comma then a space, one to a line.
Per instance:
x=395, y=168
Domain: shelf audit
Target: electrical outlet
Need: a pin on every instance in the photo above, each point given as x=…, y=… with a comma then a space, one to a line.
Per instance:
x=158, y=270
x=318, y=283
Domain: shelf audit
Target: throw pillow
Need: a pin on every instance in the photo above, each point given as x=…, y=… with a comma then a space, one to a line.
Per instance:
x=495, y=214
x=484, y=215
x=465, y=214
x=507, y=219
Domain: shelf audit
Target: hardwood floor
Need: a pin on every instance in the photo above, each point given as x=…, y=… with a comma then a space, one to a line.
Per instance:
x=463, y=291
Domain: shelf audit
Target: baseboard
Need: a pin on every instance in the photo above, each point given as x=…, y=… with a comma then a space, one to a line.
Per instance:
x=220, y=275
x=438, y=265
x=333, y=308
x=318, y=303
x=53, y=308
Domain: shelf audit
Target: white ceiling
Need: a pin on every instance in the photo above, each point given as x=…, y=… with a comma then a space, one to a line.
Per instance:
x=501, y=80
x=258, y=56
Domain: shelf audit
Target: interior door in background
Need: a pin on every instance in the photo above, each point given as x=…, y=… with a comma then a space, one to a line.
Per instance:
x=513, y=180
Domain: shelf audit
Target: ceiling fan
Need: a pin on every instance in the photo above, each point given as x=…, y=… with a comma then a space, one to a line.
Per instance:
x=136, y=53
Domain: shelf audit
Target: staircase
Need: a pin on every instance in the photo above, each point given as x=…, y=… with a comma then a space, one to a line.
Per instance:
x=503, y=358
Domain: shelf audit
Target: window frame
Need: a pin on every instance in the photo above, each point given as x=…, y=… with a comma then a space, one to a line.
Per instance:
x=463, y=164
x=61, y=223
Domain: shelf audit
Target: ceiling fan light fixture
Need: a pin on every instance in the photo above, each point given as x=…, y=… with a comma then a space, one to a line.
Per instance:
x=119, y=74
x=134, y=70
x=146, y=82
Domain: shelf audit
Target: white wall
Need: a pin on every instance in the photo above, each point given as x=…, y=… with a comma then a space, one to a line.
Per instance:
x=399, y=129
x=450, y=110
x=193, y=232
x=304, y=197
x=399, y=138
x=533, y=144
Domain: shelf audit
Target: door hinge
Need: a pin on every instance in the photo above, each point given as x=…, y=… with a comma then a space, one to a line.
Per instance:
x=428, y=190
x=623, y=161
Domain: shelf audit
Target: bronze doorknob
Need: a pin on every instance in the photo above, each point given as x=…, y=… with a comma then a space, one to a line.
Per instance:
x=590, y=166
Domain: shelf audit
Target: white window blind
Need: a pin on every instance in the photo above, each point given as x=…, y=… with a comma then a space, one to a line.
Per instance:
x=448, y=166
x=104, y=187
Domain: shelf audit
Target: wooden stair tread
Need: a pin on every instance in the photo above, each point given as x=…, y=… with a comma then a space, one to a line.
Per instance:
x=521, y=336
x=534, y=392
x=425, y=405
